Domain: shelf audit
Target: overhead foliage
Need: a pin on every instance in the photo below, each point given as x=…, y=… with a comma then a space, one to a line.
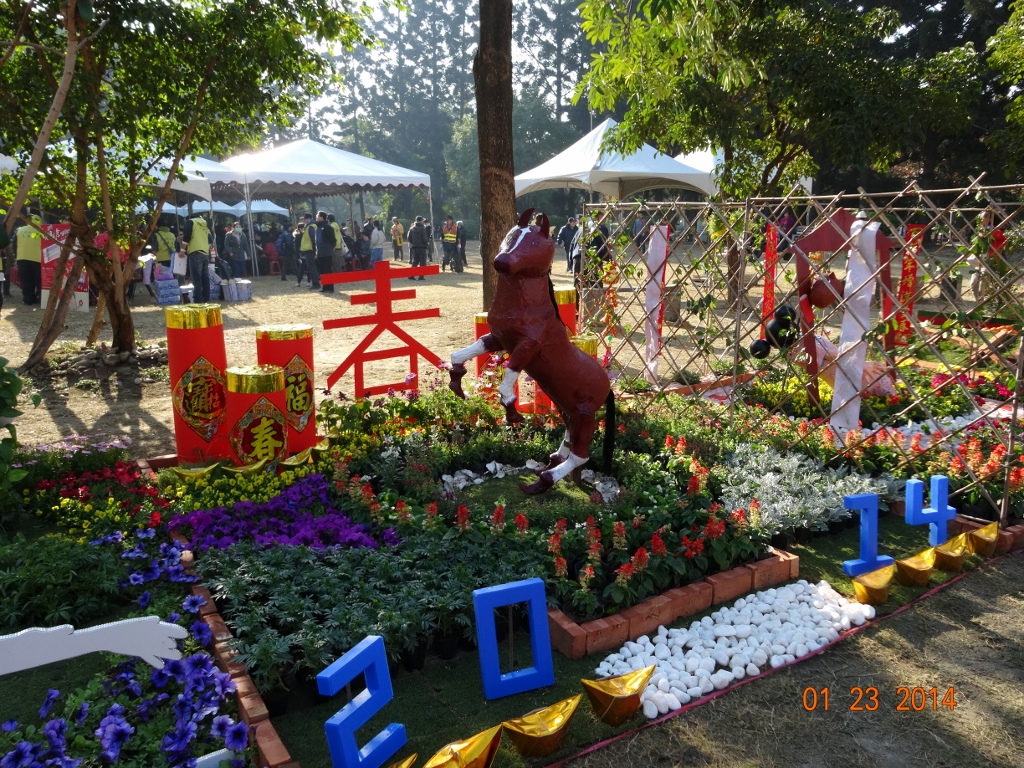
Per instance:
x=770, y=84
x=153, y=82
x=1007, y=47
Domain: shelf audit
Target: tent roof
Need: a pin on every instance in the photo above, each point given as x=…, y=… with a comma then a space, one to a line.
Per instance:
x=309, y=167
x=584, y=166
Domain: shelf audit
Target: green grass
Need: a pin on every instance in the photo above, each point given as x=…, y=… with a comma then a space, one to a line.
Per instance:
x=445, y=701
x=565, y=499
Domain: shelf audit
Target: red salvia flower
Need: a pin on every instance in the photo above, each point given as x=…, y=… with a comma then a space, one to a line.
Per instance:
x=522, y=524
x=462, y=518
x=624, y=573
x=658, y=548
x=561, y=568
x=639, y=559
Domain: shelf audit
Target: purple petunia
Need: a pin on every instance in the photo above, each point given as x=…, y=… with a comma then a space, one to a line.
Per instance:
x=193, y=603
x=201, y=632
x=55, y=732
x=144, y=599
x=236, y=738
x=114, y=732
x=22, y=756
x=302, y=514
x=9, y=725
x=51, y=696
x=80, y=714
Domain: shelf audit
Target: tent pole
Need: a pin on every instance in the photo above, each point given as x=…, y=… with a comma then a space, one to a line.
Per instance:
x=252, y=240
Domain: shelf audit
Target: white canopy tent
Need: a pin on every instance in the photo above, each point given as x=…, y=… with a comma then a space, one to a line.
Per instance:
x=307, y=167
x=8, y=164
x=585, y=166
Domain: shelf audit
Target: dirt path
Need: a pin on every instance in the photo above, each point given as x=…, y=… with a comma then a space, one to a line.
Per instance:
x=142, y=412
x=970, y=637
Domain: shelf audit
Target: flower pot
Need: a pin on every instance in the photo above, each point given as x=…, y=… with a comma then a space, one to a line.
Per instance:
x=276, y=701
x=782, y=541
x=447, y=645
x=415, y=659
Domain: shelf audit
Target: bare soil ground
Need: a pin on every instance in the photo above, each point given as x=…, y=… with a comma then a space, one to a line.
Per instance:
x=970, y=637
x=113, y=403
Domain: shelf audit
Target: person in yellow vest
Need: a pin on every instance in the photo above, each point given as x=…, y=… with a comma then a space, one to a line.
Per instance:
x=198, y=240
x=398, y=239
x=307, y=251
x=164, y=243
x=28, y=251
x=450, y=244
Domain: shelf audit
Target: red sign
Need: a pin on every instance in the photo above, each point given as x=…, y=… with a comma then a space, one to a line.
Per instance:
x=908, y=283
x=54, y=236
x=771, y=259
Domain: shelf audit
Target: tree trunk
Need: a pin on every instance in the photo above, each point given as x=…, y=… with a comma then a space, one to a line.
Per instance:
x=492, y=78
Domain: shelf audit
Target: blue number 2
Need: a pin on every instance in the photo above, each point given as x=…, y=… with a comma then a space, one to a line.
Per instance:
x=937, y=515
x=369, y=658
x=869, y=560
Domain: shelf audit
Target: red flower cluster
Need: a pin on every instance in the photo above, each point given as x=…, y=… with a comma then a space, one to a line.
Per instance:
x=658, y=548
x=561, y=568
x=714, y=528
x=619, y=535
x=122, y=481
x=402, y=510
x=561, y=526
x=624, y=573
x=462, y=518
x=498, y=518
x=522, y=524
x=431, y=509
x=639, y=559
x=555, y=544
x=692, y=547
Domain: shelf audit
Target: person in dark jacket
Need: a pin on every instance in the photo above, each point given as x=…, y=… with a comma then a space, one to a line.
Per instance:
x=566, y=235
x=325, y=243
x=285, y=245
x=460, y=238
x=419, y=242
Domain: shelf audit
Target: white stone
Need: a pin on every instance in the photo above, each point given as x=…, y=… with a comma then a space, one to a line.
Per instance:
x=695, y=692
x=752, y=671
x=869, y=612
x=643, y=640
x=702, y=673
x=650, y=710
x=707, y=663
x=661, y=702
x=801, y=650
x=706, y=686
x=738, y=672
x=662, y=631
x=725, y=631
x=721, y=679
x=692, y=665
x=662, y=652
x=720, y=657
x=663, y=685
x=742, y=631
x=776, y=661
x=673, y=702
x=636, y=663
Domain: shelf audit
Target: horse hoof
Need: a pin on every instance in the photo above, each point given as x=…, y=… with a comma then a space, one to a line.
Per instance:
x=456, y=372
x=553, y=461
x=512, y=416
x=541, y=484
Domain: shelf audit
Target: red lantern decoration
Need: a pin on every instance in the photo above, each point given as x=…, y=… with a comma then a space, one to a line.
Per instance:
x=291, y=348
x=196, y=359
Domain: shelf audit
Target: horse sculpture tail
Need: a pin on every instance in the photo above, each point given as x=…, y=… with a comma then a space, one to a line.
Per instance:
x=609, y=431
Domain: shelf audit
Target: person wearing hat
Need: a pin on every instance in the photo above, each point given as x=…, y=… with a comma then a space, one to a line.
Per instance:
x=450, y=244
x=566, y=236
x=419, y=241
x=28, y=252
x=307, y=251
x=197, y=240
x=397, y=238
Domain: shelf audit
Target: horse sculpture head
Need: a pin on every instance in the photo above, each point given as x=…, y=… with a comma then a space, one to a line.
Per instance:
x=527, y=250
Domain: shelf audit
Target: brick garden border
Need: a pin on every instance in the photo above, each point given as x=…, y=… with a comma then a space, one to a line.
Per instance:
x=251, y=708
x=578, y=640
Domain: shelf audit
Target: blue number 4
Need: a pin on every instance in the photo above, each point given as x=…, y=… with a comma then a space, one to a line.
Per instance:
x=938, y=515
x=370, y=659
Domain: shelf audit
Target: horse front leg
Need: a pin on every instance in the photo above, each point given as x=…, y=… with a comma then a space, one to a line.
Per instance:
x=484, y=345
x=520, y=357
x=573, y=454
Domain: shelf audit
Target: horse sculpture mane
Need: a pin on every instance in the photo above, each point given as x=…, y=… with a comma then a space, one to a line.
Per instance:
x=524, y=321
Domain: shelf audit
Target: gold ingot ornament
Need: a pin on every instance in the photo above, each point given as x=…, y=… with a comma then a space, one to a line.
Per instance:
x=298, y=460
x=475, y=752
x=983, y=540
x=540, y=732
x=616, y=699
x=915, y=571
x=873, y=588
x=950, y=556
x=407, y=763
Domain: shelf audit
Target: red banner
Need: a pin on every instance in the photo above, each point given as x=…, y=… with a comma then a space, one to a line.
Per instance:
x=908, y=283
x=771, y=259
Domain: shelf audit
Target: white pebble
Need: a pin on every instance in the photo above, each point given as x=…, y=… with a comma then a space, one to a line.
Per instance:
x=738, y=672
x=695, y=693
x=752, y=671
x=661, y=702
x=650, y=710
x=673, y=702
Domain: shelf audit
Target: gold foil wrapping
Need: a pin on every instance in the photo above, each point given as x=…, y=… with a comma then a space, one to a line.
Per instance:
x=249, y=469
x=299, y=459
x=915, y=571
x=951, y=555
x=983, y=540
x=873, y=588
x=565, y=294
x=480, y=317
x=616, y=699
x=587, y=343
x=287, y=332
x=540, y=732
x=407, y=763
x=194, y=474
x=475, y=752
x=193, y=316
x=255, y=379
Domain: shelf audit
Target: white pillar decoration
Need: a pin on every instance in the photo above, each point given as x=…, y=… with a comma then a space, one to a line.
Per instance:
x=860, y=285
x=657, y=261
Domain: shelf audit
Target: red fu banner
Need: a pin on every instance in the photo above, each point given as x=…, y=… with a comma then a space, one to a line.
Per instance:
x=908, y=283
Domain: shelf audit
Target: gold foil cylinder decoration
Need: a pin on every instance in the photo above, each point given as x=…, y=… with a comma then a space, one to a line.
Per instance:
x=915, y=571
x=983, y=541
x=541, y=732
x=587, y=343
x=258, y=430
x=409, y=762
x=873, y=588
x=950, y=556
x=286, y=332
x=291, y=347
x=565, y=294
x=616, y=699
x=475, y=752
x=480, y=318
x=192, y=316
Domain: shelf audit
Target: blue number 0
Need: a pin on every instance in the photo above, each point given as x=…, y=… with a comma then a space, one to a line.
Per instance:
x=369, y=658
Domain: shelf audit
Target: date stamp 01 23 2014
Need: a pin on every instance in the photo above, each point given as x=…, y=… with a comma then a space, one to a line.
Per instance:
x=868, y=699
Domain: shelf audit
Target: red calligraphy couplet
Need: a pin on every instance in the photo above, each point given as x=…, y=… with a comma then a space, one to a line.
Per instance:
x=908, y=283
x=196, y=360
x=290, y=347
x=258, y=430
x=386, y=320
x=771, y=260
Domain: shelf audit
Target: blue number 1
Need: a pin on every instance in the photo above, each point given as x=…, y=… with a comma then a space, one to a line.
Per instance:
x=869, y=560
x=937, y=515
x=369, y=658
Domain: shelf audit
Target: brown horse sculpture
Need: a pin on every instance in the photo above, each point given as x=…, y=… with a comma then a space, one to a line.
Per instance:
x=524, y=321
